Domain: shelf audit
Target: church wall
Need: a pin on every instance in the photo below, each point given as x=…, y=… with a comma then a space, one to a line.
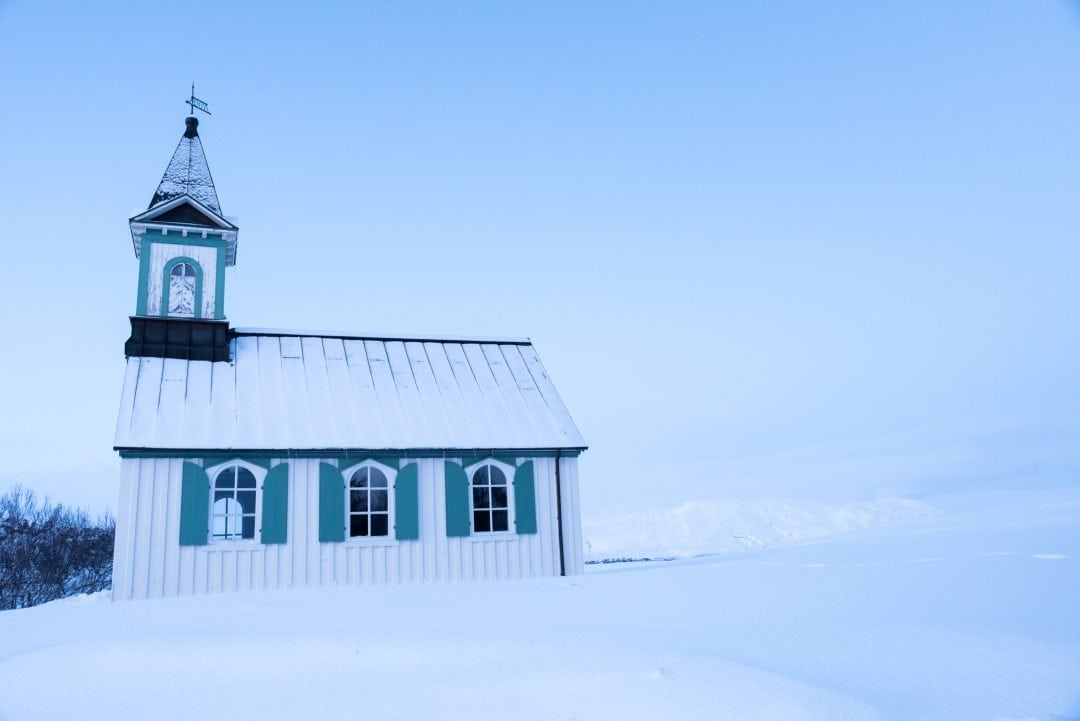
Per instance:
x=151, y=563
x=162, y=253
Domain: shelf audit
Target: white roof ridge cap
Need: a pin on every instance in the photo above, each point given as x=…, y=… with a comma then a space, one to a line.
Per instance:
x=434, y=337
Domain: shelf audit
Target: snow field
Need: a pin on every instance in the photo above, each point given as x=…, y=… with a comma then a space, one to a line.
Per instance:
x=951, y=616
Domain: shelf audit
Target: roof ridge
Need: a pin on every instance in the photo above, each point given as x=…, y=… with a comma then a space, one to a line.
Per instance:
x=429, y=337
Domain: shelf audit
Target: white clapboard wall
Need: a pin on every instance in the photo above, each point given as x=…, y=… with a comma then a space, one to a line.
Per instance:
x=151, y=563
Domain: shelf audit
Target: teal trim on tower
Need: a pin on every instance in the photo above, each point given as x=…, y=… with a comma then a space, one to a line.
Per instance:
x=219, y=284
x=193, y=238
x=144, y=275
x=173, y=262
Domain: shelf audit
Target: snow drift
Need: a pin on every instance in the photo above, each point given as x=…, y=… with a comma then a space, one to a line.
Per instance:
x=698, y=528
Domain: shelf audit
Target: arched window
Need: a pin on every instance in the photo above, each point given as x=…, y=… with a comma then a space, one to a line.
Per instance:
x=490, y=500
x=182, y=280
x=235, y=504
x=369, y=503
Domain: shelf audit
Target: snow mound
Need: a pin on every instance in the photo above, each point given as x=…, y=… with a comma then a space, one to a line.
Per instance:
x=698, y=528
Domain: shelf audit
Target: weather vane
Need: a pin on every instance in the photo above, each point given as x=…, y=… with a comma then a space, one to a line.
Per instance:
x=197, y=104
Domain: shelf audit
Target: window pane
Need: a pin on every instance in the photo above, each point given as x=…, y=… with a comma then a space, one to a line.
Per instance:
x=480, y=498
x=219, y=527
x=246, y=500
x=219, y=499
x=358, y=526
x=380, y=524
x=244, y=479
x=498, y=496
x=378, y=478
x=359, y=479
x=497, y=477
x=500, y=520
x=249, y=526
x=226, y=479
x=480, y=478
x=481, y=521
x=181, y=296
x=358, y=501
x=379, y=500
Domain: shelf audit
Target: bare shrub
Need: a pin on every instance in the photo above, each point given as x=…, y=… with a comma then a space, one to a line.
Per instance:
x=48, y=551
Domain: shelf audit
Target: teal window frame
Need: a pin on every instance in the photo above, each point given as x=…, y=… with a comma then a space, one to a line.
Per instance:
x=167, y=273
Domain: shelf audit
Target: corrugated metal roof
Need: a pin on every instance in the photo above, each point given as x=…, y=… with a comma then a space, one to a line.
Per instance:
x=288, y=391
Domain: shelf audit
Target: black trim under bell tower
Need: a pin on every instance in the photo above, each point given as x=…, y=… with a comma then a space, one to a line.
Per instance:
x=183, y=338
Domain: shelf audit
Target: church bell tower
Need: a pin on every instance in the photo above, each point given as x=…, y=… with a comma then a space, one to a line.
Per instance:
x=183, y=243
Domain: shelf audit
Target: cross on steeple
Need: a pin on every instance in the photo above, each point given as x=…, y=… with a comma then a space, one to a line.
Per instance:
x=197, y=104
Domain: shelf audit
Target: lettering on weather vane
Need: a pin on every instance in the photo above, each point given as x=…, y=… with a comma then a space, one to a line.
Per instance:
x=197, y=104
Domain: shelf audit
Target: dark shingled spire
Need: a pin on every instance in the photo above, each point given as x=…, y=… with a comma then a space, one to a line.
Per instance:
x=188, y=173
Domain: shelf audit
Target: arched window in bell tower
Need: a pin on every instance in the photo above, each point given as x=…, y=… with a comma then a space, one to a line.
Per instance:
x=182, y=289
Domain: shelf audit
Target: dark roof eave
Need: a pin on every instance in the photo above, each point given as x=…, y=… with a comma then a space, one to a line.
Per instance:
x=337, y=451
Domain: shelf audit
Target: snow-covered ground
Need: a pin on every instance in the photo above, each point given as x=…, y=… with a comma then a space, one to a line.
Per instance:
x=697, y=528
x=966, y=614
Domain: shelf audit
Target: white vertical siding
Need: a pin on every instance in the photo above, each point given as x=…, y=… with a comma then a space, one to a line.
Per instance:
x=574, y=553
x=150, y=563
x=162, y=253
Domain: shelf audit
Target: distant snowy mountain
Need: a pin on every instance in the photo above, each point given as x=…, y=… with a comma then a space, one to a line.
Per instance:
x=698, y=528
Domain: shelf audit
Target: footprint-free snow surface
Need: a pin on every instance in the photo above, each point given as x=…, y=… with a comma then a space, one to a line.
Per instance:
x=959, y=615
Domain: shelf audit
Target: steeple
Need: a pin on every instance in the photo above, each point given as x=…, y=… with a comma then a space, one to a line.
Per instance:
x=188, y=172
x=183, y=244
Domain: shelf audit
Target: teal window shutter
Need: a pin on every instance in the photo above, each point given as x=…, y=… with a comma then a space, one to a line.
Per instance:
x=525, y=498
x=275, y=505
x=194, y=506
x=457, y=500
x=406, y=504
x=331, y=504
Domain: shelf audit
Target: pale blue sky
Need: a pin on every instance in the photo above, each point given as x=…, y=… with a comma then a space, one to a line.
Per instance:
x=817, y=249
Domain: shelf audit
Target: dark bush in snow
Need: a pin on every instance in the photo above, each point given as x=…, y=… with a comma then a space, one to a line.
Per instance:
x=48, y=551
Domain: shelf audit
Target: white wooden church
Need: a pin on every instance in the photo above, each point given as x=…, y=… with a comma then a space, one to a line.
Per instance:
x=260, y=459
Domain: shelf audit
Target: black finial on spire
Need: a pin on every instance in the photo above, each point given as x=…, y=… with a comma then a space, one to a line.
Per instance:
x=192, y=129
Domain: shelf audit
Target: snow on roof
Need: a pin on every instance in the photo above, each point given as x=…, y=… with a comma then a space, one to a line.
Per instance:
x=188, y=172
x=287, y=390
